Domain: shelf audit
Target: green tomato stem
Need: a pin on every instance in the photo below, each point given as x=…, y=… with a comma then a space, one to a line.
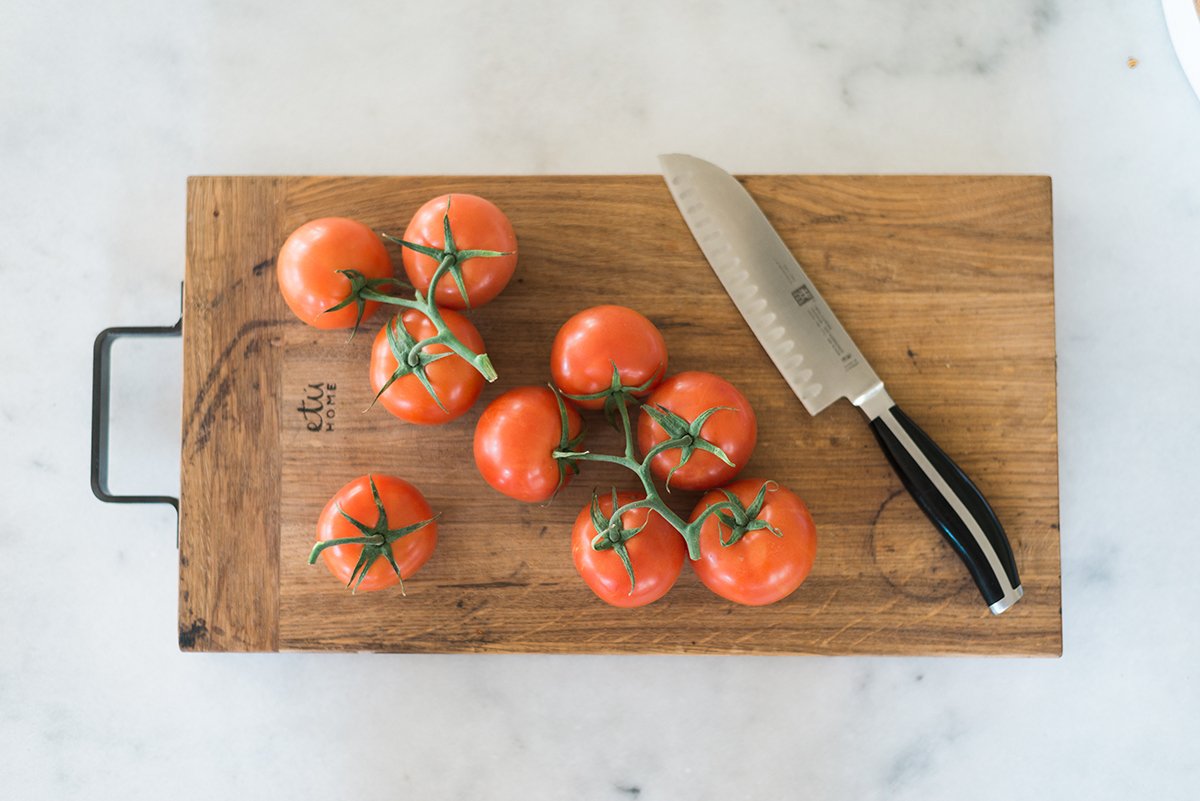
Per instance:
x=443, y=267
x=588, y=456
x=712, y=510
x=665, y=445
x=653, y=500
x=480, y=361
x=623, y=410
x=370, y=294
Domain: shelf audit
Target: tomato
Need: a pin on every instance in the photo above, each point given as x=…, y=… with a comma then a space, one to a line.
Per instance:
x=475, y=224
x=590, y=343
x=403, y=508
x=308, y=263
x=733, y=430
x=514, y=440
x=656, y=553
x=759, y=568
x=456, y=382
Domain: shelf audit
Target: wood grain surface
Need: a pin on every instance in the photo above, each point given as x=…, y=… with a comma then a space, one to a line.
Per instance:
x=945, y=283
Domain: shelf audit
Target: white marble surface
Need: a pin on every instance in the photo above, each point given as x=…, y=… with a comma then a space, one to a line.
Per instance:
x=105, y=107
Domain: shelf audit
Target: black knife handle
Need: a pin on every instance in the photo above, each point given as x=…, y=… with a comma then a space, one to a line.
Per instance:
x=954, y=504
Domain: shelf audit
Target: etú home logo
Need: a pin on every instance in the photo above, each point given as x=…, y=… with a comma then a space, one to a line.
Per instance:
x=318, y=407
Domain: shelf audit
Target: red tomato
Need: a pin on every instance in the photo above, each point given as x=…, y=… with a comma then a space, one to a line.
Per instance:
x=734, y=432
x=456, y=382
x=475, y=224
x=514, y=438
x=657, y=555
x=590, y=343
x=404, y=505
x=760, y=568
x=308, y=263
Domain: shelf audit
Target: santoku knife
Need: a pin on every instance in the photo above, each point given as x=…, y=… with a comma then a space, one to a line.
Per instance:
x=821, y=363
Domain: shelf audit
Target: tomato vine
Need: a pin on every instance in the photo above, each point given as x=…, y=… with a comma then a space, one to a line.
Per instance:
x=412, y=356
x=683, y=435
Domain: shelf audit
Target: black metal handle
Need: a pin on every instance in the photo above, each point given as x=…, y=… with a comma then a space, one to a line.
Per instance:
x=954, y=504
x=101, y=356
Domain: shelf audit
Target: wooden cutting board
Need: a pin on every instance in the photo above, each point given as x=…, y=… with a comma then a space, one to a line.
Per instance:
x=946, y=284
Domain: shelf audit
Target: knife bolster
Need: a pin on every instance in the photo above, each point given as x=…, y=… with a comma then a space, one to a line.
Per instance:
x=874, y=401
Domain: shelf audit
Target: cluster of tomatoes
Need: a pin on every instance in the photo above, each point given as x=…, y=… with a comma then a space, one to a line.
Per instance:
x=749, y=540
x=428, y=364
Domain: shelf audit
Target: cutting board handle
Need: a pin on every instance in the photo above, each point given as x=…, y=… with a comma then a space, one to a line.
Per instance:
x=101, y=357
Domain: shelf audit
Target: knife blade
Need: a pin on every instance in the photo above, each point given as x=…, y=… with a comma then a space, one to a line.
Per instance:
x=822, y=365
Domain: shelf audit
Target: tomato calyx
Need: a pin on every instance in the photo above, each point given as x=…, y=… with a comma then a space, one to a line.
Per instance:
x=612, y=533
x=449, y=256
x=359, y=284
x=617, y=395
x=679, y=429
x=376, y=541
x=412, y=358
x=742, y=519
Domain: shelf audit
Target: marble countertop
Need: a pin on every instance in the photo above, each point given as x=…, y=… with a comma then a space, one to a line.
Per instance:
x=106, y=107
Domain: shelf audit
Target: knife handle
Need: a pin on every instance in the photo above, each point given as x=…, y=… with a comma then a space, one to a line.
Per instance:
x=954, y=504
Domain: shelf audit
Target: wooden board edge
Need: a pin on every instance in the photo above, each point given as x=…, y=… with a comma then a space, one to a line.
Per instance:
x=1037, y=652
x=1058, y=643
x=228, y=582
